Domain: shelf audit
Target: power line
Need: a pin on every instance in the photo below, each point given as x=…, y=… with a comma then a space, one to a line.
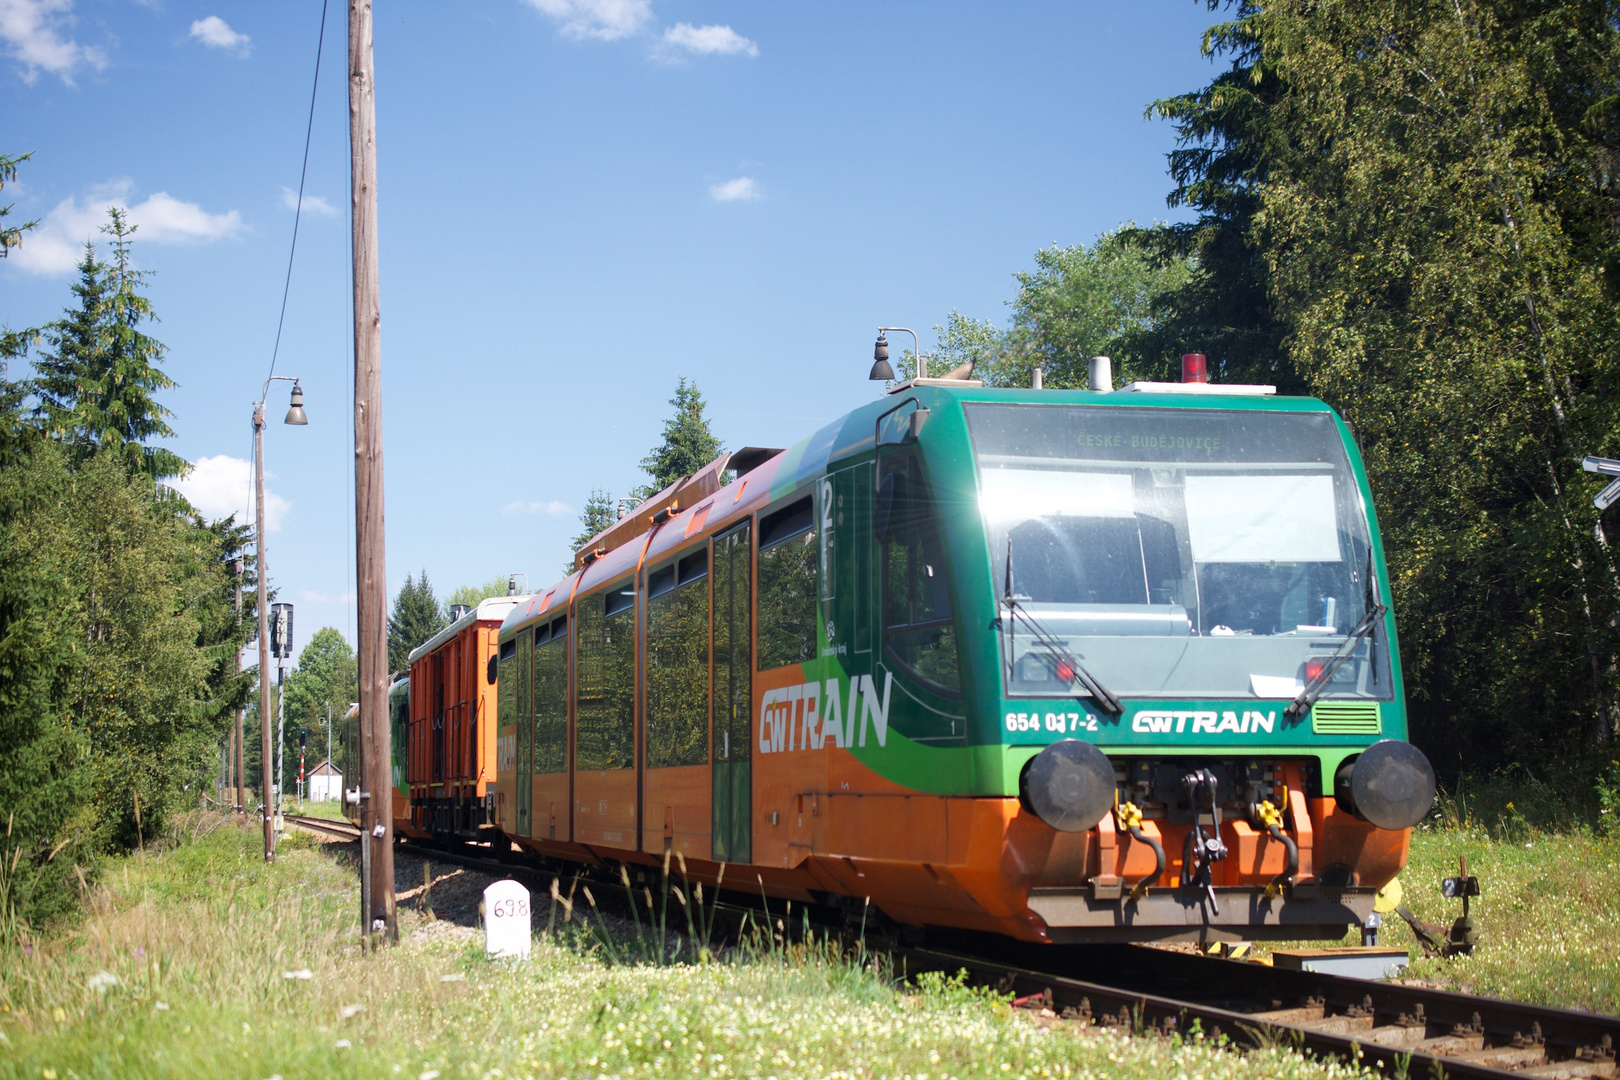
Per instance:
x=298, y=211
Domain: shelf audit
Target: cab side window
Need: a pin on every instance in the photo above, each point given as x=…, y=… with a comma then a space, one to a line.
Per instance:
x=918, y=632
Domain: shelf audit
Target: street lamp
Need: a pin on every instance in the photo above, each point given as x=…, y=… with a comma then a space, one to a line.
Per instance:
x=295, y=416
x=882, y=371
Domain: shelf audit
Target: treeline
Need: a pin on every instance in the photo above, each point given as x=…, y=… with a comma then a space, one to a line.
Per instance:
x=118, y=638
x=1410, y=208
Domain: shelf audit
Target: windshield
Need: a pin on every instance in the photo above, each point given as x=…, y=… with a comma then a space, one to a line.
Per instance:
x=1177, y=552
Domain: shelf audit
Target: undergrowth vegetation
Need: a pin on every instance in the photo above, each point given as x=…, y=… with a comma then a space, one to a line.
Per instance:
x=1548, y=913
x=200, y=960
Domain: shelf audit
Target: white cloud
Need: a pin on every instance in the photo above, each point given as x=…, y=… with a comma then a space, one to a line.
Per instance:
x=551, y=508
x=607, y=20
x=57, y=244
x=216, y=33
x=223, y=485
x=743, y=187
x=32, y=33
x=720, y=40
x=313, y=204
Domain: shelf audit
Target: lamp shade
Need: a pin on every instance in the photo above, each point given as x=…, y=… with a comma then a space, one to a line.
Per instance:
x=881, y=369
x=295, y=415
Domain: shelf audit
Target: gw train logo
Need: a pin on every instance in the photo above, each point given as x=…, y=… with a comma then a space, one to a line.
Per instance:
x=1204, y=722
x=811, y=715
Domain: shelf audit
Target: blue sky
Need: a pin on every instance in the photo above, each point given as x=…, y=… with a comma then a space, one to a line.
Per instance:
x=580, y=202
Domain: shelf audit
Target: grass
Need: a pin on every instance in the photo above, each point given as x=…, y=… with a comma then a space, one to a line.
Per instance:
x=329, y=808
x=1548, y=913
x=201, y=961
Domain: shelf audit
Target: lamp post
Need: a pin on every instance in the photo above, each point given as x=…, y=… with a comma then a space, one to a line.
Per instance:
x=882, y=371
x=296, y=417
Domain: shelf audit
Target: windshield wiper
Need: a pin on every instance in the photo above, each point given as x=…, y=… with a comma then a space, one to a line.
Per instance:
x=1078, y=675
x=1313, y=689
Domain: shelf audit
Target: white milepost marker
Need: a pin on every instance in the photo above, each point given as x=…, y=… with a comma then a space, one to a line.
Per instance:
x=506, y=919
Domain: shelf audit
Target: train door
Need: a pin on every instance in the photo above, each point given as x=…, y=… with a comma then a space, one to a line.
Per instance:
x=548, y=781
x=506, y=732
x=438, y=720
x=524, y=772
x=732, y=703
x=919, y=632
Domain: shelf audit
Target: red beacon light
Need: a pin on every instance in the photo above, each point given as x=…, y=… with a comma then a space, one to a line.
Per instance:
x=1195, y=380
x=1313, y=668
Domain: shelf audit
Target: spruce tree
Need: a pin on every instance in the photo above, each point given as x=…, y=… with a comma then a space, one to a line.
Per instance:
x=416, y=618
x=600, y=511
x=11, y=235
x=97, y=381
x=688, y=443
x=62, y=370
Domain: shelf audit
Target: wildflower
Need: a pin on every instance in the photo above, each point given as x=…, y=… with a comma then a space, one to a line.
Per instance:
x=161, y=1006
x=456, y=977
x=347, y=1011
x=428, y=1074
x=341, y=1044
x=101, y=980
x=301, y=973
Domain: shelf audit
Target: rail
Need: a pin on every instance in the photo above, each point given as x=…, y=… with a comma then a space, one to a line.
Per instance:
x=1395, y=1029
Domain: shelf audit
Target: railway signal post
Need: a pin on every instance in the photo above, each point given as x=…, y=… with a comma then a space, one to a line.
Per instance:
x=375, y=782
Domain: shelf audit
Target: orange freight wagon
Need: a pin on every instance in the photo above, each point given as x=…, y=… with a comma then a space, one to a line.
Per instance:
x=451, y=733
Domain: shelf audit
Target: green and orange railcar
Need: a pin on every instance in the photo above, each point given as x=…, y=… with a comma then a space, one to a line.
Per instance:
x=1059, y=665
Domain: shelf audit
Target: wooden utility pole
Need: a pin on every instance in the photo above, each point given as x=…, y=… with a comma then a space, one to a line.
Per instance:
x=239, y=792
x=376, y=781
x=264, y=634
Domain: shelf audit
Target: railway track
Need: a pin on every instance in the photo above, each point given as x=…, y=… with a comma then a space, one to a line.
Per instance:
x=325, y=826
x=1395, y=1029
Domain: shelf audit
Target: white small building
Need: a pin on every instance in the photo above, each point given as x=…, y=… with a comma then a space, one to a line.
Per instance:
x=325, y=783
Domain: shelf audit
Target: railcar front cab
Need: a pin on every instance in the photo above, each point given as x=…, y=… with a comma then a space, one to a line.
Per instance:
x=1198, y=680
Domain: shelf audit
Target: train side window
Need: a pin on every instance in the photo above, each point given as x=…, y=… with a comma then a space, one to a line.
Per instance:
x=605, y=680
x=661, y=581
x=918, y=631
x=551, y=698
x=787, y=585
x=678, y=663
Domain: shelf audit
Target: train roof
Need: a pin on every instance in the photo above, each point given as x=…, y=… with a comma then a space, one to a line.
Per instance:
x=493, y=609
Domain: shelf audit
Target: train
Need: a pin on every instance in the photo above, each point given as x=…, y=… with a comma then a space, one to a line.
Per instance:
x=1065, y=666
